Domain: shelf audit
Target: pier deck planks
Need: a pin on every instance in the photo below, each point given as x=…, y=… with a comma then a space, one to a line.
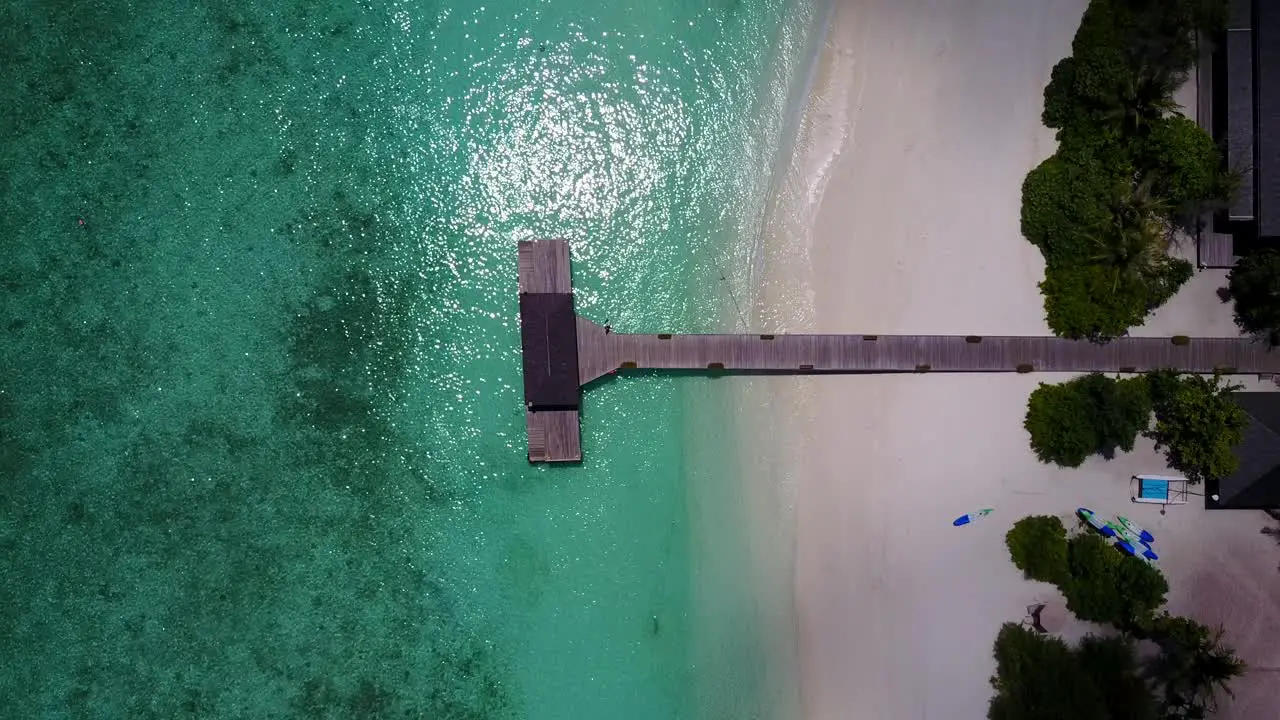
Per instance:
x=601, y=353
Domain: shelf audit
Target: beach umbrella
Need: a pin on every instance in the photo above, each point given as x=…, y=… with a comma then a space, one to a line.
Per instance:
x=1048, y=617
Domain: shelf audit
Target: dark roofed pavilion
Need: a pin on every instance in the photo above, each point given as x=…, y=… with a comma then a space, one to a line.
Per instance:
x=1256, y=484
x=549, y=337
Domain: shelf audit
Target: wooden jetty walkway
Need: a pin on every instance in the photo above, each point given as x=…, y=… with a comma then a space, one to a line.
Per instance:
x=562, y=352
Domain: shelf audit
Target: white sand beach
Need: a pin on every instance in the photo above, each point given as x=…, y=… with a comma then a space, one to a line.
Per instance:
x=937, y=103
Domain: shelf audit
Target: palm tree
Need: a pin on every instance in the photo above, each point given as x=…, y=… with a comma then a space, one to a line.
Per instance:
x=1133, y=252
x=1134, y=244
x=1146, y=95
x=1193, y=666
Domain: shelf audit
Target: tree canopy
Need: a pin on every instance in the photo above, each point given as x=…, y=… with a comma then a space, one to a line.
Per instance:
x=1198, y=425
x=1160, y=32
x=1102, y=210
x=1106, y=586
x=1092, y=414
x=1186, y=165
x=1065, y=198
x=1254, y=284
x=1197, y=422
x=1082, y=89
x=1100, y=583
x=1113, y=667
x=1038, y=546
x=1039, y=677
x=1193, y=666
x=1083, y=300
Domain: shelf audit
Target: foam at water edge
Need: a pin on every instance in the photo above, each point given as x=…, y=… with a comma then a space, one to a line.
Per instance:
x=752, y=504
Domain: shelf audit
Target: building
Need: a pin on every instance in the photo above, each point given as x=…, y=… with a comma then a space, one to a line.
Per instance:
x=1239, y=77
x=1256, y=484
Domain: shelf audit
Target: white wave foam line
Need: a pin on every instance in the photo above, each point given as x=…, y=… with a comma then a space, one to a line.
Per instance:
x=827, y=121
x=805, y=38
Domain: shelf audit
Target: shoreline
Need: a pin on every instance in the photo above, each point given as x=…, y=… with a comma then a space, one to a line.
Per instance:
x=758, y=487
x=783, y=301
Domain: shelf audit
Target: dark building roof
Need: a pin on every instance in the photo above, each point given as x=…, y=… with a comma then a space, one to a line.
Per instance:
x=1240, y=14
x=1246, y=109
x=1266, y=34
x=1256, y=484
x=1239, y=111
x=549, y=347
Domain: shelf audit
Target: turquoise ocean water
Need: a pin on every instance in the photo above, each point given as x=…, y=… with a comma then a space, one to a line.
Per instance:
x=260, y=411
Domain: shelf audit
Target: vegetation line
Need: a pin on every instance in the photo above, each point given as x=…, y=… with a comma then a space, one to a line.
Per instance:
x=1131, y=174
x=1197, y=422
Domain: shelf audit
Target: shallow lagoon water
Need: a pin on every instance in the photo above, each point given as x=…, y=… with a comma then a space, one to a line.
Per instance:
x=261, y=410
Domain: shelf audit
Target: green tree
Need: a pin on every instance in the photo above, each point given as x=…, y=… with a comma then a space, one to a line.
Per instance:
x=1193, y=665
x=1061, y=429
x=1198, y=425
x=1039, y=678
x=1254, y=284
x=1163, y=32
x=1107, y=265
x=1038, y=546
x=1123, y=71
x=1083, y=300
x=1081, y=90
x=1122, y=411
x=1162, y=385
x=1137, y=203
x=1186, y=165
x=1107, y=586
x=1066, y=198
x=1112, y=665
x=1092, y=414
x=1158, y=32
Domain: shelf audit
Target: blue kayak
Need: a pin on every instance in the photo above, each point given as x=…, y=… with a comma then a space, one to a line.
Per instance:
x=1137, y=549
x=1136, y=529
x=1096, y=522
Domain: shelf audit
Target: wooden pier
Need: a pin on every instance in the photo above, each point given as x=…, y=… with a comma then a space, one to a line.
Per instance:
x=563, y=352
x=549, y=348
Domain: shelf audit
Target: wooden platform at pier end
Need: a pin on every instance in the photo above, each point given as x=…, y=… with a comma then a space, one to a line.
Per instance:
x=563, y=352
x=549, y=352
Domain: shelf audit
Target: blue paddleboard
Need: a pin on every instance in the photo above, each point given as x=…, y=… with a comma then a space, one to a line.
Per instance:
x=970, y=517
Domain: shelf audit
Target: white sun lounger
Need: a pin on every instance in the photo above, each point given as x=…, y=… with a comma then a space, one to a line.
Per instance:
x=1158, y=489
